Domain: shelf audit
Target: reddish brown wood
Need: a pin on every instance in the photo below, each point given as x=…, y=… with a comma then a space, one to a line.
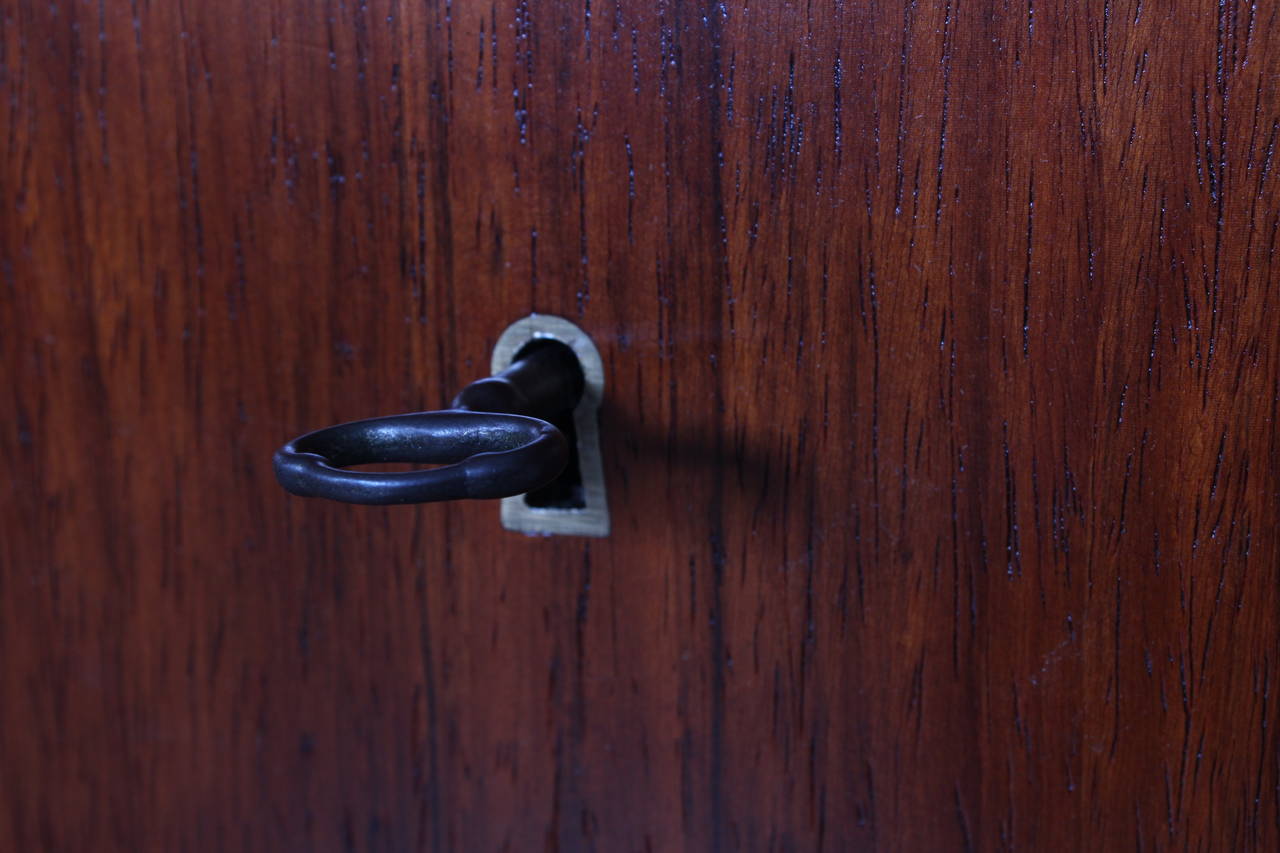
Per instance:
x=940, y=433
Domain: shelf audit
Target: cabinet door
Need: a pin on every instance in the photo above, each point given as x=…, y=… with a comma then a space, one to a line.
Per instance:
x=939, y=431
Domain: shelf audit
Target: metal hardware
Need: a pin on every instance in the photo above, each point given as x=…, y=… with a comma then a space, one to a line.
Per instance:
x=494, y=442
x=589, y=514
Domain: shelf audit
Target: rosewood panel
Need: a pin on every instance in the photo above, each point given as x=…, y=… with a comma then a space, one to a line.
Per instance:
x=940, y=434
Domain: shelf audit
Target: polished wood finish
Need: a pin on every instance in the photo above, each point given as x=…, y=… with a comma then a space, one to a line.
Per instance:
x=940, y=432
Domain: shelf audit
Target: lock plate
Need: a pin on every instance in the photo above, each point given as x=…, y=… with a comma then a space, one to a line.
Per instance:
x=592, y=517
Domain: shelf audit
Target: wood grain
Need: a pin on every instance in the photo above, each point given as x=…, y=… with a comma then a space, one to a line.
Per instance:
x=940, y=433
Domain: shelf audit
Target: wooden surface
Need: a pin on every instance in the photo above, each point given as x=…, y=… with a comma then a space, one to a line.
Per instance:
x=941, y=349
